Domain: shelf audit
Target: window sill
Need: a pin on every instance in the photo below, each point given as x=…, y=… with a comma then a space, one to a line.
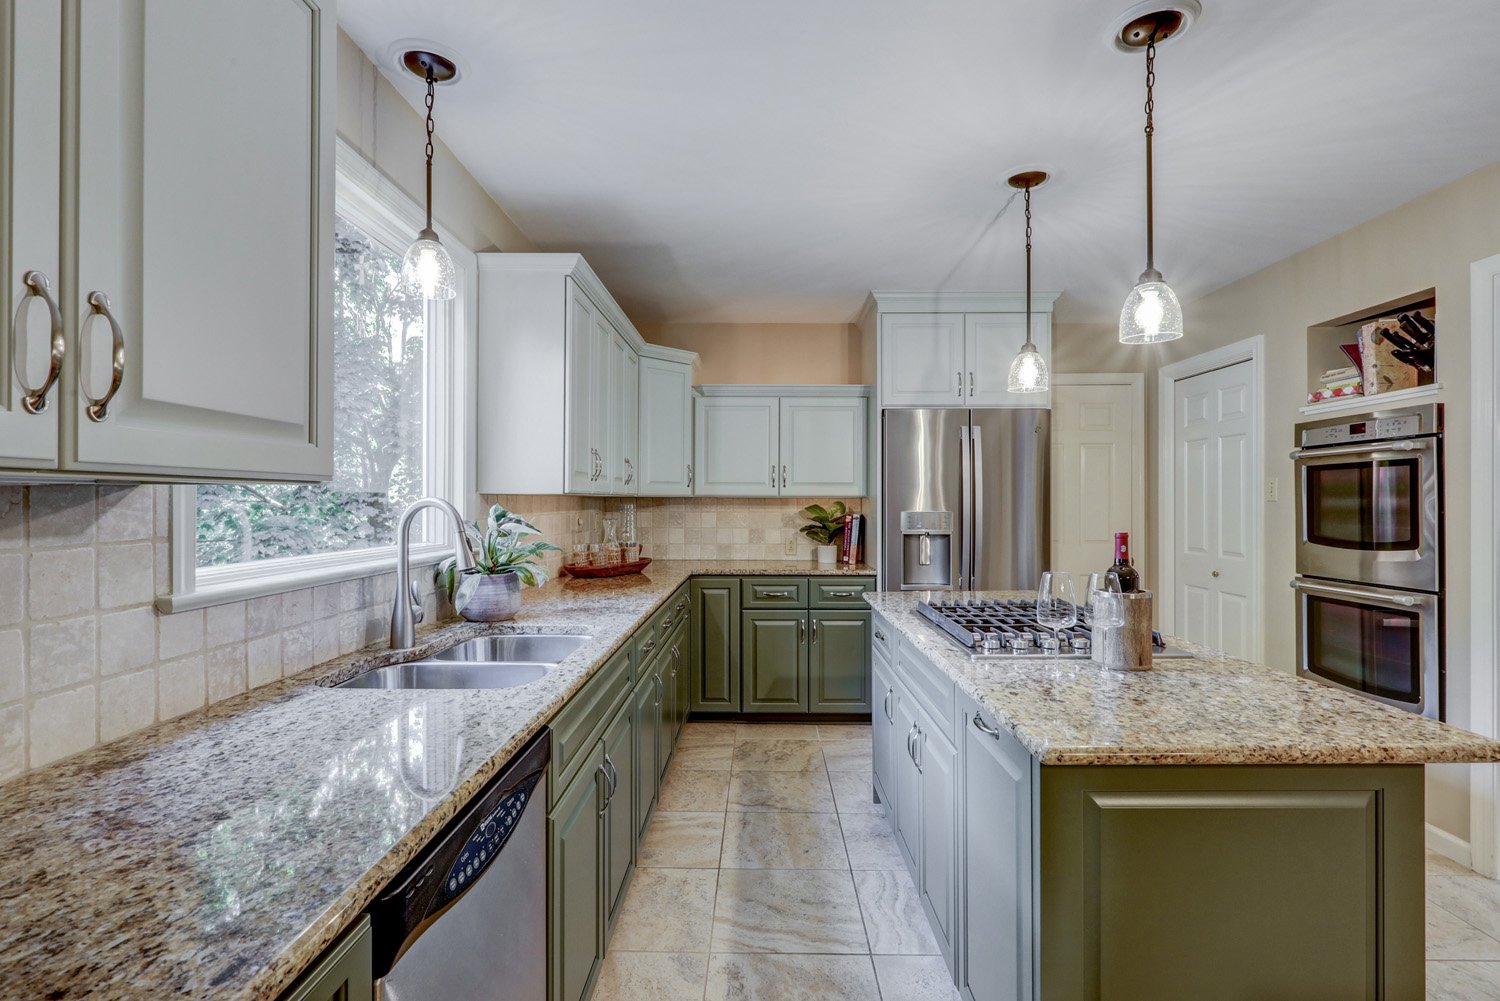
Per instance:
x=230, y=584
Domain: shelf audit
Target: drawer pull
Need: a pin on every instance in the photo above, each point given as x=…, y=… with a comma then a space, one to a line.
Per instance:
x=777, y=594
x=37, y=285
x=842, y=594
x=983, y=727
x=880, y=636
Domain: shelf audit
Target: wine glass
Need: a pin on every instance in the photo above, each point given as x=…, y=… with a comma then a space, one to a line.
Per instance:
x=1056, y=605
x=1103, y=605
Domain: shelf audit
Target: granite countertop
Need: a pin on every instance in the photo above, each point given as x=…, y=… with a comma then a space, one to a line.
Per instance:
x=218, y=854
x=1208, y=709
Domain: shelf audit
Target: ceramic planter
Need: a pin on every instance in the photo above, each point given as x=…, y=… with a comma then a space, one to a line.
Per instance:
x=488, y=597
x=827, y=555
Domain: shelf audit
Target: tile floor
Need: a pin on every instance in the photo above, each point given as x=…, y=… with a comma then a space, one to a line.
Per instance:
x=768, y=875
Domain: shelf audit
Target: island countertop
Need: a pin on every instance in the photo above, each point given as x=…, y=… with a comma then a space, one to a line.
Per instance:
x=218, y=854
x=1207, y=709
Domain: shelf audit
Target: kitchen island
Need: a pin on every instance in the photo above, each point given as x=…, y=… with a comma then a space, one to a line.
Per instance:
x=1209, y=828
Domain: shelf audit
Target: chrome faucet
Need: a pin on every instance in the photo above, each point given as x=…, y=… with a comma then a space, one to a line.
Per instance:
x=408, y=610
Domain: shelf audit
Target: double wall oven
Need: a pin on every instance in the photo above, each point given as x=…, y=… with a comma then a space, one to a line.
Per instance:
x=1370, y=555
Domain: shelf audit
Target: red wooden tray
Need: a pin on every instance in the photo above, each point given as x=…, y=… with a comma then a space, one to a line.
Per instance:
x=619, y=569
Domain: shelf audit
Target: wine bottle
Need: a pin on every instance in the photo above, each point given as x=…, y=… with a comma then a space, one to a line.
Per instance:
x=1130, y=580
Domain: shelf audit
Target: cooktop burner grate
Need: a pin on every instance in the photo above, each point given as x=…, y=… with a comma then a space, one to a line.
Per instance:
x=997, y=626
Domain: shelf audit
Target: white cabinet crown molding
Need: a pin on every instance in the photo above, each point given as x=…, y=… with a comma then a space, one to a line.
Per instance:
x=571, y=266
x=958, y=302
x=724, y=389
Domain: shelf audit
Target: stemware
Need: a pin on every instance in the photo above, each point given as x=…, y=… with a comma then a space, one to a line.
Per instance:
x=1056, y=606
x=1103, y=606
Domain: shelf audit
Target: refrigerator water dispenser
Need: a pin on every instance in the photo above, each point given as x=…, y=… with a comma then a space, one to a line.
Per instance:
x=926, y=549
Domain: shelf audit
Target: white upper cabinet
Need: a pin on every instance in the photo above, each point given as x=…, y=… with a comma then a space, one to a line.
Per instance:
x=991, y=343
x=666, y=428
x=571, y=362
x=194, y=277
x=953, y=349
x=738, y=446
x=32, y=343
x=922, y=360
x=823, y=446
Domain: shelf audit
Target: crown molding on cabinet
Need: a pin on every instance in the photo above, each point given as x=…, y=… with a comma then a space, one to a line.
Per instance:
x=957, y=302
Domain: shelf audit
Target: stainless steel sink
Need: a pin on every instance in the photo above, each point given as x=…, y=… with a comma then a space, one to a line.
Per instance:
x=487, y=662
x=448, y=674
x=533, y=648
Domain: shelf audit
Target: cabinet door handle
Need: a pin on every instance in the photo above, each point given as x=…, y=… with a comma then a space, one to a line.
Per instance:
x=917, y=749
x=614, y=778
x=911, y=736
x=886, y=703
x=960, y=384
x=690, y=476
x=983, y=727
x=661, y=689
x=98, y=409
x=773, y=474
x=815, y=631
x=783, y=477
x=801, y=630
x=600, y=773
x=37, y=285
x=629, y=472
x=971, y=382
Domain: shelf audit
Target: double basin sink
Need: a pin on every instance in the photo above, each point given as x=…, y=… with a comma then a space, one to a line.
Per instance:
x=488, y=662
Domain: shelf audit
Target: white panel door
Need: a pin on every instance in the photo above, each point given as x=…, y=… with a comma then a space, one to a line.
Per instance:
x=30, y=156
x=991, y=342
x=1094, y=443
x=736, y=446
x=922, y=360
x=578, y=410
x=205, y=232
x=1214, y=417
x=666, y=428
x=823, y=446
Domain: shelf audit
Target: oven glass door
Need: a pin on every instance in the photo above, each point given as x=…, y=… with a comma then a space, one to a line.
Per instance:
x=1380, y=644
x=1370, y=515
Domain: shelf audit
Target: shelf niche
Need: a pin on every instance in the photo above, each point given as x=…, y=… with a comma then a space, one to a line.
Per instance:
x=1324, y=340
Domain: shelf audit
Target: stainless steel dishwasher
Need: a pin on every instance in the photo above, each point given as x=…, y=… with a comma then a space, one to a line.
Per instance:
x=467, y=919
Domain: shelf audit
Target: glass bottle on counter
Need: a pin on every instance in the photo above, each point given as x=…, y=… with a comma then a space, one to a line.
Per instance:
x=1130, y=579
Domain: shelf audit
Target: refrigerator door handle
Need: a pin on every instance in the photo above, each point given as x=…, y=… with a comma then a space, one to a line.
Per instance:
x=966, y=545
x=978, y=506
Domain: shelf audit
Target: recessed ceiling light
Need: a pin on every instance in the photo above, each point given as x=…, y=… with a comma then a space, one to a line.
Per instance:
x=1134, y=28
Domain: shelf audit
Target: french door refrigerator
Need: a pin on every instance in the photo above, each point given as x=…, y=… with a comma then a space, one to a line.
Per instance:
x=965, y=499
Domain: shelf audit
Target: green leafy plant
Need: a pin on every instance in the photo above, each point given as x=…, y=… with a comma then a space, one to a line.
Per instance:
x=827, y=523
x=510, y=544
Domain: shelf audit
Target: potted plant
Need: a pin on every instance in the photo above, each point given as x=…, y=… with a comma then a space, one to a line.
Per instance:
x=508, y=555
x=826, y=528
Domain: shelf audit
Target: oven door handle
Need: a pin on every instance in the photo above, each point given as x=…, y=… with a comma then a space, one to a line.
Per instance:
x=1370, y=449
x=1405, y=600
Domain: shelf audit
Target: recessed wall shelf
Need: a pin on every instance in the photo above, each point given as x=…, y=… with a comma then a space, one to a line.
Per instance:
x=1355, y=404
x=1324, y=352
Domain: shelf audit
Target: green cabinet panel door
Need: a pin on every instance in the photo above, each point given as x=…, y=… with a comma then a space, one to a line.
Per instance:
x=681, y=676
x=575, y=888
x=344, y=973
x=646, y=707
x=774, y=661
x=839, y=654
x=714, y=647
x=619, y=815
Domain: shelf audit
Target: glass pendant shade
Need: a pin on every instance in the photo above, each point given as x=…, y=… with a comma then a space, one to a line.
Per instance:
x=1151, y=314
x=428, y=269
x=1028, y=372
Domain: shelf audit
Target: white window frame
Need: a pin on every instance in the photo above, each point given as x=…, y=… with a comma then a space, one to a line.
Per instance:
x=374, y=203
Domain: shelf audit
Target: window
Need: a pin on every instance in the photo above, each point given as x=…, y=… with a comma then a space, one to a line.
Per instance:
x=397, y=401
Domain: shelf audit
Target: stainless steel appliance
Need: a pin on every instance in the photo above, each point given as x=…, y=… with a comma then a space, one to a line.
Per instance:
x=1369, y=498
x=1370, y=555
x=1007, y=629
x=468, y=917
x=964, y=499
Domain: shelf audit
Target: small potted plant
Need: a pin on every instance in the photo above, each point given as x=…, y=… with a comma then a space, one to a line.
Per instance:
x=826, y=528
x=507, y=556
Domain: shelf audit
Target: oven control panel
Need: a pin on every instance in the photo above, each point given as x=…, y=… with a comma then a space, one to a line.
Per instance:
x=1370, y=429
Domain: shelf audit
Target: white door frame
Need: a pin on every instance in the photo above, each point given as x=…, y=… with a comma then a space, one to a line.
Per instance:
x=1137, y=383
x=1484, y=537
x=1253, y=350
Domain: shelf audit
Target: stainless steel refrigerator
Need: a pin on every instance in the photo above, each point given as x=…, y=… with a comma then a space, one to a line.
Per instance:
x=964, y=499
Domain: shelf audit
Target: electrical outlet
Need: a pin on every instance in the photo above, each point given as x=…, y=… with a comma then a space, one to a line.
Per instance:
x=1273, y=489
x=790, y=547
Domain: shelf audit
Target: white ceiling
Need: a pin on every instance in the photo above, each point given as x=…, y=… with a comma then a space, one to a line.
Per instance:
x=773, y=161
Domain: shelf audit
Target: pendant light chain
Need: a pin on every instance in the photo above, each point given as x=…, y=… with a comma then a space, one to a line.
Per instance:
x=1028, y=268
x=431, y=93
x=1150, y=131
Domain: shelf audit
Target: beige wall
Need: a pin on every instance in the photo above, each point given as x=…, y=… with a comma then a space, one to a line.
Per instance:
x=791, y=353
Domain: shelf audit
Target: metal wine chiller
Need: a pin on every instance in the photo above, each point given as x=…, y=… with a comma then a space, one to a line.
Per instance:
x=1127, y=647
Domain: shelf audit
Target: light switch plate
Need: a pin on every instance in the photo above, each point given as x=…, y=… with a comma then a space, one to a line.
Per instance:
x=790, y=548
x=1273, y=489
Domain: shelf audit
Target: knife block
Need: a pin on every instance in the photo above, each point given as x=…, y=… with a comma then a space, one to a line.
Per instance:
x=1127, y=647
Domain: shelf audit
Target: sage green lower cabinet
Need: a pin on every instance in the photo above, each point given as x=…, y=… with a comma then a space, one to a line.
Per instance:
x=839, y=662
x=344, y=973
x=682, y=680
x=619, y=811
x=995, y=903
x=714, y=647
x=575, y=884
x=774, y=661
x=646, y=706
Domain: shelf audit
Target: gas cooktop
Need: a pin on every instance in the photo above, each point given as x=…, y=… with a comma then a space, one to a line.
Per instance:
x=1008, y=629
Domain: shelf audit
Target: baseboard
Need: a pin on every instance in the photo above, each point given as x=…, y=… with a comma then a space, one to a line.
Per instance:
x=1449, y=845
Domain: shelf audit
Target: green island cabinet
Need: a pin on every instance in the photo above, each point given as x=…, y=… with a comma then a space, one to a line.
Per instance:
x=780, y=645
x=611, y=744
x=1144, y=882
x=344, y=973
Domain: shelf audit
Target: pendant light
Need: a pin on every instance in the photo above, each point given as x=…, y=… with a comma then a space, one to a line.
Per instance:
x=1151, y=313
x=1028, y=372
x=427, y=268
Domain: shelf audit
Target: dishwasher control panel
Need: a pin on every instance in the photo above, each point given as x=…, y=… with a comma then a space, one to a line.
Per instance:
x=486, y=842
